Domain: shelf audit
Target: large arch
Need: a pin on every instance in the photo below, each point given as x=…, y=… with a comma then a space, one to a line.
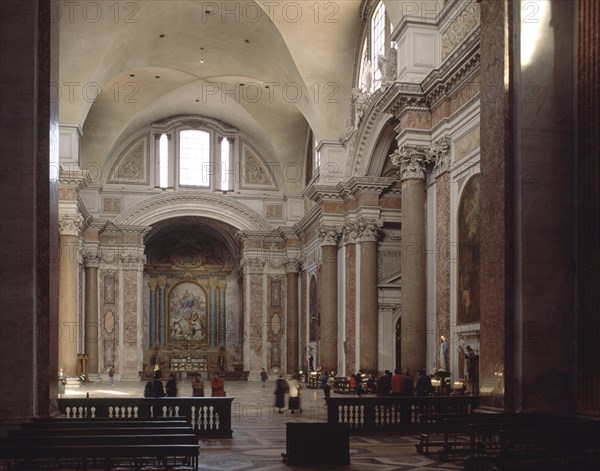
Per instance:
x=193, y=203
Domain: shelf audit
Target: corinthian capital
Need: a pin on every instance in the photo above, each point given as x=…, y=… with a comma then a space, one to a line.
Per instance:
x=253, y=264
x=369, y=230
x=91, y=257
x=413, y=161
x=70, y=223
x=329, y=235
x=440, y=155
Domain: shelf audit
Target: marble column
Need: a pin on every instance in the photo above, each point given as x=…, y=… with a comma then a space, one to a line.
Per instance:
x=162, y=310
x=413, y=162
x=254, y=313
x=131, y=336
x=496, y=214
x=214, y=294
x=29, y=239
x=368, y=232
x=68, y=327
x=293, y=360
x=440, y=154
x=328, y=328
x=92, y=262
x=222, y=315
x=153, y=317
x=352, y=342
x=588, y=207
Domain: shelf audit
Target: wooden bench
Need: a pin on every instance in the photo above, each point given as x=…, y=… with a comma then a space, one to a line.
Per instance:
x=98, y=456
x=445, y=429
x=46, y=431
x=558, y=446
x=463, y=436
x=104, y=444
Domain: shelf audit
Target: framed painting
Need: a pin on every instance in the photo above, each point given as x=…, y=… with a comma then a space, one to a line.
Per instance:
x=187, y=313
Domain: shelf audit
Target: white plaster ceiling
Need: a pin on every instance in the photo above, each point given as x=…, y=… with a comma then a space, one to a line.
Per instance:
x=304, y=46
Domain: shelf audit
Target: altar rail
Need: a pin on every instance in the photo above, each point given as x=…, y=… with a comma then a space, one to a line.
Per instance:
x=208, y=416
x=396, y=413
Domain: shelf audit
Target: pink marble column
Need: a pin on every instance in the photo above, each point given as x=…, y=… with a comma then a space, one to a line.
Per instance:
x=328, y=327
x=497, y=218
x=369, y=323
x=441, y=154
x=292, y=317
x=350, y=239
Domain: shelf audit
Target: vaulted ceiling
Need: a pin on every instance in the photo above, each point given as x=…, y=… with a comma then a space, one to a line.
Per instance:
x=295, y=60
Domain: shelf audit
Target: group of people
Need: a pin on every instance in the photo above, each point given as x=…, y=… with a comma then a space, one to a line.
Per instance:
x=402, y=383
x=156, y=388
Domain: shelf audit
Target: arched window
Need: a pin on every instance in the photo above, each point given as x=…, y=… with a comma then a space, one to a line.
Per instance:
x=377, y=45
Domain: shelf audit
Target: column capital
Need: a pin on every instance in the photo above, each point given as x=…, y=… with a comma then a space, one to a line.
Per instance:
x=152, y=284
x=161, y=282
x=440, y=155
x=292, y=265
x=350, y=233
x=90, y=255
x=413, y=161
x=133, y=261
x=70, y=224
x=329, y=235
x=253, y=265
x=369, y=230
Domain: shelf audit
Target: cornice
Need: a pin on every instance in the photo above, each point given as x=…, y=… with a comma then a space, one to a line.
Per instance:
x=169, y=124
x=74, y=178
x=460, y=65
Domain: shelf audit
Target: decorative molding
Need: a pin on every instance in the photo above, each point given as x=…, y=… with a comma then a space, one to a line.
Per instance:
x=91, y=256
x=255, y=172
x=454, y=73
x=111, y=204
x=329, y=235
x=252, y=265
x=350, y=233
x=413, y=161
x=293, y=265
x=369, y=230
x=440, y=154
x=195, y=122
x=132, y=167
x=193, y=203
x=460, y=26
x=274, y=211
x=70, y=224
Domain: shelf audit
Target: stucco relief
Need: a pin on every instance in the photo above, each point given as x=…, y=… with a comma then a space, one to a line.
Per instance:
x=133, y=164
x=460, y=27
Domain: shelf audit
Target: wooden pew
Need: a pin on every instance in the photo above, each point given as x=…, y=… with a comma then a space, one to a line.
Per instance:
x=485, y=438
x=573, y=446
x=83, y=443
x=86, y=456
x=85, y=431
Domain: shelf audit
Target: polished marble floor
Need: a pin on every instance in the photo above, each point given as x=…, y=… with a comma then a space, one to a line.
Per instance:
x=259, y=432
